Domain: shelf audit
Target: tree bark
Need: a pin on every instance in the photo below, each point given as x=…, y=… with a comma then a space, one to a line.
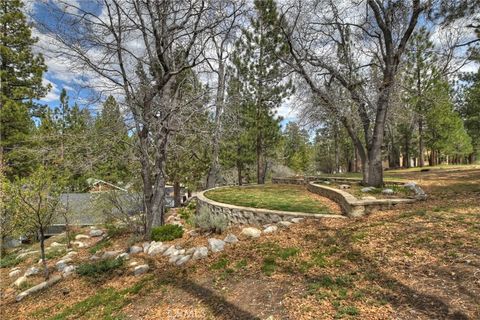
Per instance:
x=219, y=104
x=177, y=197
x=421, y=148
x=42, y=253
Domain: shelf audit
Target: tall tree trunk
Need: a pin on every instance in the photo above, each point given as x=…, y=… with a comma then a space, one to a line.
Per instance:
x=260, y=160
x=219, y=104
x=421, y=148
x=177, y=197
x=42, y=253
x=239, y=172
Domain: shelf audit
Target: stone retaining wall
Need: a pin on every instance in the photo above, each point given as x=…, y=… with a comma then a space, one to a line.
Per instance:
x=352, y=206
x=251, y=216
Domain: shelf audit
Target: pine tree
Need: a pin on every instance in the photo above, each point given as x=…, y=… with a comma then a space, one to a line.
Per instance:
x=20, y=83
x=258, y=69
x=112, y=144
x=470, y=111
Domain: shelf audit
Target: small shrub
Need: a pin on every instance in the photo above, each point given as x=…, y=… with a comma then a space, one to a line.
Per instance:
x=167, y=232
x=100, y=245
x=9, y=261
x=206, y=222
x=99, y=269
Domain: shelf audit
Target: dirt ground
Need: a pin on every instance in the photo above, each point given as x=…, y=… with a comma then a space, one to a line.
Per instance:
x=419, y=261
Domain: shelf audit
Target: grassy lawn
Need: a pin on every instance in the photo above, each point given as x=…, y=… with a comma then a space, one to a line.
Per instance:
x=273, y=197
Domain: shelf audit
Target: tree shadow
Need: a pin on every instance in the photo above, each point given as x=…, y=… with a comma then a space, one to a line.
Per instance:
x=397, y=293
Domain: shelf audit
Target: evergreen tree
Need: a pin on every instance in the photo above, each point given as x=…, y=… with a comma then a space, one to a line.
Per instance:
x=296, y=150
x=445, y=133
x=112, y=144
x=259, y=73
x=21, y=82
x=470, y=112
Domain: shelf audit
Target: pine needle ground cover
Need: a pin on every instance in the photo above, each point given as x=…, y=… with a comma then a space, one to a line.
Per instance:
x=271, y=196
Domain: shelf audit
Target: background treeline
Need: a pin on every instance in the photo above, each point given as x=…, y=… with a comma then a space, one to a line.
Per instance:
x=195, y=102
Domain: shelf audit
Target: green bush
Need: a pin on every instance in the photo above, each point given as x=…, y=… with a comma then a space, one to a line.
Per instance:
x=9, y=261
x=167, y=232
x=100, y=268
x=206, y=222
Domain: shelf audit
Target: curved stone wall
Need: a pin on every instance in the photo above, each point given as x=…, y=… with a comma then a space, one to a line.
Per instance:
x=251, y=216
x=352, y=206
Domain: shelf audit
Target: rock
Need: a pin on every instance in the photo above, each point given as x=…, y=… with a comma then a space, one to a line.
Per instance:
x=326, y=182
x=135, y=249
x=367, y=189
x=182, y=260
x=81, y=237
x=369, y=198
x=344, y=186
x=231, y=238
x=38, y=287
x=200, y=252
x=193, y=233
x=216, y=245
x=68, y=270
x=171, y=250
x=419, y=193
x=141, y=269
x=56, y=245
x=69, y=255
x=284, y=224
x=133, y=264
x=25, y=254
x=270, y=229
x=96, y=233
x=20, y=281
x=124, y=256
x=190, y=251
x=110, y=254
x=297, y=220
x=174, y=258
x=94, y=258
x=251, y=232
x=15, y=273
x=31, y=271
x=388, y=191
x=156, y=248
x=79, y=244
x=146, y=246
x=62, y=264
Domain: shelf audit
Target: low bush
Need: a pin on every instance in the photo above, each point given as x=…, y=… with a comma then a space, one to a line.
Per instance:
x=208, y=223
x=167, y=232
x=10, y=260
x=99, y=269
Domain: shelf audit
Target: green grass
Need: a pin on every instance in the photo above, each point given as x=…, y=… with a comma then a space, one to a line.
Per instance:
x=271, y=196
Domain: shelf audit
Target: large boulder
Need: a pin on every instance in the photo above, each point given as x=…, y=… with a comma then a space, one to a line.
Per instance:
x=251, y=232
x=285, y=224
x=135, y=249
x=62, y=264
x=216, y=245
x=20, y=281
x=96, y=233
x=69, y=270
x=170, y=251
x=388, y=191
x=31, y=271
x=200, y=253
x=270, y=229
x=15, y=273
x=81, y=237
x=156, y=248
x=182, y=260
x=231, y=238
x=111, y=254
x=141, y=269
